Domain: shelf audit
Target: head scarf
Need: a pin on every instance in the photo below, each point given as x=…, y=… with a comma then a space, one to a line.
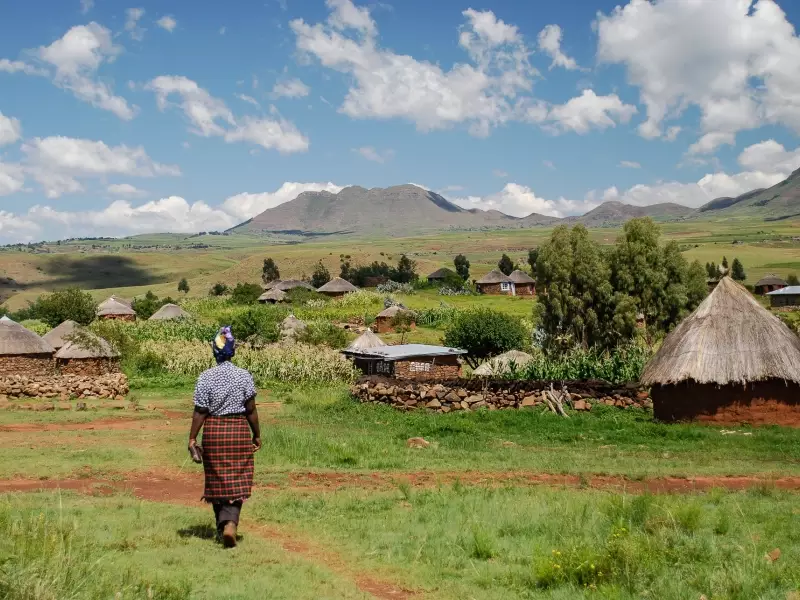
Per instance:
x=223, y=346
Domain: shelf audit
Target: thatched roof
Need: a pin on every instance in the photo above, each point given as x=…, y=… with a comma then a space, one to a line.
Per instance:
x=521, y=277
x=771, y=280
x=113, y=307
x=15, y=340
x=270, y=284
x=272, y=295
x=730, y=338
x=97, y=348
x=122, y=300
x=169, y=312
x=290, y=284
x=337, y=285
x=494, y=276
x=502, y=363
x=56, y=337
x=441, y=273
x=366, y=341
x=393, y=311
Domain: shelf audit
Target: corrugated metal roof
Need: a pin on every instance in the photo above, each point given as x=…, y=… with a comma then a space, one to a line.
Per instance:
x=792, y=289
x=404, y=351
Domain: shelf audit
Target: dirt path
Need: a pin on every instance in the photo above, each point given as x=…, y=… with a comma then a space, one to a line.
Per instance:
x=105, y=424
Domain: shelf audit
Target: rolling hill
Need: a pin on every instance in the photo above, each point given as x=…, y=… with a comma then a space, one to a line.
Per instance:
x=612, y=213
x=781, y=201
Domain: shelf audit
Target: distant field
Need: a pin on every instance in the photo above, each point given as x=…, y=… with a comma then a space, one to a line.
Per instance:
x=132, y=266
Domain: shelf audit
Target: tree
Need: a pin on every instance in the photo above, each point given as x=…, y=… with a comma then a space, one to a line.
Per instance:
x=696, y=286
x=712, y=271
x=401, y=323
x=792, y=279
x=406, y=270
x=506, y=265
x=737, y=270
x=218, y=289
x=270, y=271
x=462, y=266
x=484, y=333
x=320, y=276
x=70, y=304
x=147, y=306
x=533, y=256
x=246, y=293
x=725, y=262
x=183, y=286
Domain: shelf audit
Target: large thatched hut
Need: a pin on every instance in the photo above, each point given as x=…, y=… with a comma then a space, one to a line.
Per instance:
x=495, y=282
x=272, y=296
x=116, y=309
x=288, y=285
x=90, y=355
x=22, y=352
x=337, y=287
x=524, y=284
x=768, y=284
x=169, y=312
x=58, y=336
x=730, y=361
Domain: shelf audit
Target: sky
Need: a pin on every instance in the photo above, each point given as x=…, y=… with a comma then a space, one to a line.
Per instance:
x=179, y=116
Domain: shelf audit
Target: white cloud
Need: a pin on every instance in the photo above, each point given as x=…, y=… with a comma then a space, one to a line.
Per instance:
x=582, y=113
x=167, y=23
x=770, y=156
x=290, y=88
x=10, y=130
x=132, y=18
x=15, y=229
x=210, y=116
x=734, y=60
x=12, y=178
x=370, y=153
x=520, y=201
x=346, y=15
x=248, y=99
x=629, y=164
x=125, y=189
x=246, y=205
x=17, y=66
x=58, y=163
x=550, y=43
x=76, y=58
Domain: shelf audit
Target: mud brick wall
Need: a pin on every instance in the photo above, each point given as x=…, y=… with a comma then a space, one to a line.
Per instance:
x=64, y=386
x=523, y=289
x=384, y=325
x=88, y=366
x=493, y=289
x=119, y=317
x=449, y=395
x=426, y=369
x=28, y=364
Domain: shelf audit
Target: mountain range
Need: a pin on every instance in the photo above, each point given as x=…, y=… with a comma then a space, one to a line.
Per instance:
x=407, y=209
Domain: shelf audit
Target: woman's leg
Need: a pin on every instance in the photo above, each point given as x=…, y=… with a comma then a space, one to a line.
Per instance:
x=228, y=520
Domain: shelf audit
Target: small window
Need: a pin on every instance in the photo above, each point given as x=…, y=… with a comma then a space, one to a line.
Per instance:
x=505, y=286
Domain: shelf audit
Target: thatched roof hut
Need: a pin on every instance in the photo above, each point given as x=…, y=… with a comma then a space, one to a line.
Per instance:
x=383, y=322
x=494, y=276
x=521, y=278
x=272, y=296
x=170, y=312
x=440, y=275
x=57, y=336
x=366, y=341
x=501, y=364
x=290, y=284
x=337, y=287
x=96, y=348
x=768, y=284
x=22, y=352
x=116, y=309
x=495, y=282
x=729, y=352
x=90, y=355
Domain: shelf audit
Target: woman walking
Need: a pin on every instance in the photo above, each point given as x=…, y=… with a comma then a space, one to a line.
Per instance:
x=225, y=409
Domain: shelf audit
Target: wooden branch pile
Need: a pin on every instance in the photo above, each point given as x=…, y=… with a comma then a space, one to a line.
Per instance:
x=555, y=400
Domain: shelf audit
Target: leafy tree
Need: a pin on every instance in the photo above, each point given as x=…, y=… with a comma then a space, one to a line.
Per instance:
x=256, y=323
x=406, y=270
x=183, y=286
x=453, y=281
x=320, y=276
x=218, y=289
x=712, y=271
x=323, y=333
x=69, y=304
x=401, y=323
x=792, y=279
x=696, y=286
x=146, y=307
x=725, y=262
x=270, y=271
x=737, y=270
x=484, y=333
x=462, y=266
x=506, y=265
x=246, y=293
x=533, y=256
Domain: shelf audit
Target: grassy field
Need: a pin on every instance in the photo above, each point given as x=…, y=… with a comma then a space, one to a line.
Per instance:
x=501, y=505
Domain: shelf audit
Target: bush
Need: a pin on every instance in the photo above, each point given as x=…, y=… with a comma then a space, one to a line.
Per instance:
x=38, y=327
x=246, y=293
x=301, y=296
x=146, y=307
x=392, y=287
x=63, y=305
x=324, y=333
x=256, y=324
x=218, y=289
x=484, y=333
x=620, y=365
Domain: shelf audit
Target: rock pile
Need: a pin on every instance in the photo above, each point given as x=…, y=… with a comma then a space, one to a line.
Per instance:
x=466, y=395
x=64, y=387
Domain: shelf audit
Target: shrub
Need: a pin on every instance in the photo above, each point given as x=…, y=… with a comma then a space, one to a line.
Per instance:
x=320, y=276
x=484, y=333
x=393, y=287
x=38, y=327
x=324, y=333
x=146, y=307
x=218, y=289
x=246, y=293
x=620, y=365
x=301, y=296
x=256, y=324
x=54, y=309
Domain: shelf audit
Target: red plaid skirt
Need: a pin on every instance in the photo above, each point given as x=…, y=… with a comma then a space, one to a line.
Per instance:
x=227, y=458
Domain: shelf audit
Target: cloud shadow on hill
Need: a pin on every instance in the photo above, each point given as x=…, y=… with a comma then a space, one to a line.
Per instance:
x=98, y=272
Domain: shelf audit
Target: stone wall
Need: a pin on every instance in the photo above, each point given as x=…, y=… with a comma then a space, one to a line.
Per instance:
x=64, y=386
x=29, y=364
x=492, y=289
x=525, y=289
x=88, y=366
x=470, y=394
x=426, y=369
x=119, y=317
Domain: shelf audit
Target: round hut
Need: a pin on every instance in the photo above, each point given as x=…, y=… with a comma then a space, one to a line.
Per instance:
x=169, y=312
x=730, y=361
x=768, y=284
x=90, y=355
x=524, y=284
x=58, y=336
x=272, y=296
x=366, y=341
x=384, y=322
x=495, y=282
x=337, y=287
x=116, y=309
x=22, y=352
x=288, y=285
x=502, y=364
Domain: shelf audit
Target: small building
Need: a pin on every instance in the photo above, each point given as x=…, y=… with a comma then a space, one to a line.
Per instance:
x=524, y=284
x=90, y=356
x=730, y=361
x=503, y=364
x=788, y=296
x=113, y=309
x=272, y=296
x=58, y=336
x=337, y=287
x=497, y=283
x=383, y=322
x=170, y=312
x=22, y=352
x=440, y=275
x=768, y=284
x=408, y=361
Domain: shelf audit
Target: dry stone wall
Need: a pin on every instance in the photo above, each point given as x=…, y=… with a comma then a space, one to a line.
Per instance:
x=64, y=387
x=31, y=364
x=469, y=394
x=88, y=366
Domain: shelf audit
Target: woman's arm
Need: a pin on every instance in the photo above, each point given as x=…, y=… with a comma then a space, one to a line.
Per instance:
x=198, y=418
x=252, y=418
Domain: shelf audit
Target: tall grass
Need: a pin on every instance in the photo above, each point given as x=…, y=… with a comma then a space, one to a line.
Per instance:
x=623, y=364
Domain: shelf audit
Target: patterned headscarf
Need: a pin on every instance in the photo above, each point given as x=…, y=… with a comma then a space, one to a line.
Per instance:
x=223, y=346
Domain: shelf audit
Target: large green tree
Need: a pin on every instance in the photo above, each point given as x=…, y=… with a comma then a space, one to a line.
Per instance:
x=506, y=265
x=320, y=276
x=461, y=263
x=484, y=333
x=270, y=271
x=737, y=270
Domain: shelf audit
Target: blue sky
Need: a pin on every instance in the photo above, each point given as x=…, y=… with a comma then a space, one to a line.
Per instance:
x=162, y=116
